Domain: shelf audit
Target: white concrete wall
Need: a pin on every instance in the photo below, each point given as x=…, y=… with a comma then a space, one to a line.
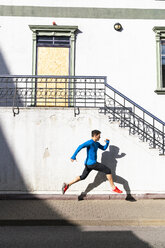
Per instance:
x=127, y=58
x=37, y=144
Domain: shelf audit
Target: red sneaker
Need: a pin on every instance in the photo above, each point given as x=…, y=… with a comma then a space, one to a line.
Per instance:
x=65, y=187
x=117, y=190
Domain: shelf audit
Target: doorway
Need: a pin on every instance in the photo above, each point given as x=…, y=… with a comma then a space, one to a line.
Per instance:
x=53, y=54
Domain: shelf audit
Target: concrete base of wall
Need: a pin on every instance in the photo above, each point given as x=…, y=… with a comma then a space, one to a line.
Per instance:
x=132, y=197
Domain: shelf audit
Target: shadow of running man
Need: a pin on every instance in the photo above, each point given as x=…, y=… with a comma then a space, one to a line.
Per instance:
x=109, y=158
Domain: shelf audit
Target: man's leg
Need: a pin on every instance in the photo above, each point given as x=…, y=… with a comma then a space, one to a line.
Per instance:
x=110, y=179
x=77, y=179
x=102, y=168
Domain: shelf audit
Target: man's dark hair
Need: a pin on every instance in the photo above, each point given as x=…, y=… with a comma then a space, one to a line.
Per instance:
x=95, y=132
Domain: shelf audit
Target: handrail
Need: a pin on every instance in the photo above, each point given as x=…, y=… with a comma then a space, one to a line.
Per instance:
x=52, y=76
x=147, y=130
x=135, y=104
x=88, y=77
x=53, y=91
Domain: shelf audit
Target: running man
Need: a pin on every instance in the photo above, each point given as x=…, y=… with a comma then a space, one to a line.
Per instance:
x=91, y=161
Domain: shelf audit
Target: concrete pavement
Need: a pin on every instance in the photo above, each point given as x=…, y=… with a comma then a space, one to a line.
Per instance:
x=82, y=236
x=87, y=212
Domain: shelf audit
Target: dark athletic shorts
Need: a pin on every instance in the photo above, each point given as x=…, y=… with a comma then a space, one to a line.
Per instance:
x=97, y=166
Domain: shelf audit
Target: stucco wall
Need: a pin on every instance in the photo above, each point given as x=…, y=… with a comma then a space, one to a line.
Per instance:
x=127, y=58
x=37, y=144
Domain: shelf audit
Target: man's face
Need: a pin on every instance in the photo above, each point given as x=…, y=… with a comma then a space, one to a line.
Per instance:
x=97, y=137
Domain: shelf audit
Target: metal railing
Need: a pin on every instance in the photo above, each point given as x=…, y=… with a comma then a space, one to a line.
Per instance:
x=82, y=92
x=139, y=121
x=52, y=91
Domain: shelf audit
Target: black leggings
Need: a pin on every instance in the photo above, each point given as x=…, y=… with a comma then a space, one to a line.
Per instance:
x=97, y=166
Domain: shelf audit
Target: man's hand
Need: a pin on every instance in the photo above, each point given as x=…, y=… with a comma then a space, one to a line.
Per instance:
x=72, y=160
x=106, y=140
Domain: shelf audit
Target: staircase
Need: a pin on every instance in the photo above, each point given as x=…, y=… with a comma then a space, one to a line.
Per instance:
x=136, y=119
x=83, y=92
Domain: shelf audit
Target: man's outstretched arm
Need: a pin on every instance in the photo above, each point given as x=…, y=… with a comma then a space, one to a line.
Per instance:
x=106, y=145
x=85, y=144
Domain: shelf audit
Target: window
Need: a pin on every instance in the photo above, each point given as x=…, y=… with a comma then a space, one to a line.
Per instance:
x=53, y=54
x=57, y=37
x=163, y=61
x=53, y=41
x=160, y=54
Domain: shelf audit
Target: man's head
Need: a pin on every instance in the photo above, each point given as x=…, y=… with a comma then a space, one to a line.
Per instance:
x=96, y=135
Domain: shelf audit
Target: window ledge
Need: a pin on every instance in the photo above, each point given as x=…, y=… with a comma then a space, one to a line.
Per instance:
x=160, y=91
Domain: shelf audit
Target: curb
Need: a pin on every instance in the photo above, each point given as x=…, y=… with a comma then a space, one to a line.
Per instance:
x=132, y=197
x=62, y=222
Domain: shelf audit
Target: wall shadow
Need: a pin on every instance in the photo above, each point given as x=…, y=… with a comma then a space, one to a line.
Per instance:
x=8, y=96
x=4, y=70
x=12, y=182
x=60, y=237
x=13, y=185
x=10, y=177
x=109, y=158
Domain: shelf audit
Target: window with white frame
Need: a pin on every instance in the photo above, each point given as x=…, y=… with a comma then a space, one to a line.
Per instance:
x=163, y=61
x=160, y=58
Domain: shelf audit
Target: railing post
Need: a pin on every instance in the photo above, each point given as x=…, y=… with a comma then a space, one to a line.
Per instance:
x=114, y=104
x=70, y=93
x=26, y=92
x=105, y=82
x=85, y=93
x=95, y=92
x=134, y=120
x=15, y=93
x=143, y=127
x=124, y=115
x=76, y=108
x=33, y=99
x=163, y=140
x=15, y=98
x=74, y=96
x=154, y=144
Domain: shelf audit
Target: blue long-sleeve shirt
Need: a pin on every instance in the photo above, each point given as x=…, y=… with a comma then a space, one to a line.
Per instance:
x=92, y=148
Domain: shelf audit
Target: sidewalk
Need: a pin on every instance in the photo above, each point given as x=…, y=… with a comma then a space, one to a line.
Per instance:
x=87, y=212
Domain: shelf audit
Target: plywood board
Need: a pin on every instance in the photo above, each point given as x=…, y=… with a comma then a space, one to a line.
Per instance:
x=52, y=61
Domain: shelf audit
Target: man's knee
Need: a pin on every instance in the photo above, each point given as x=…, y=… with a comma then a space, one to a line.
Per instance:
x=108, y=171
x=82, y=177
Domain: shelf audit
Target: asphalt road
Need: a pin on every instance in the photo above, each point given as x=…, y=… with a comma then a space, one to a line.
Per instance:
x=82, y=236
